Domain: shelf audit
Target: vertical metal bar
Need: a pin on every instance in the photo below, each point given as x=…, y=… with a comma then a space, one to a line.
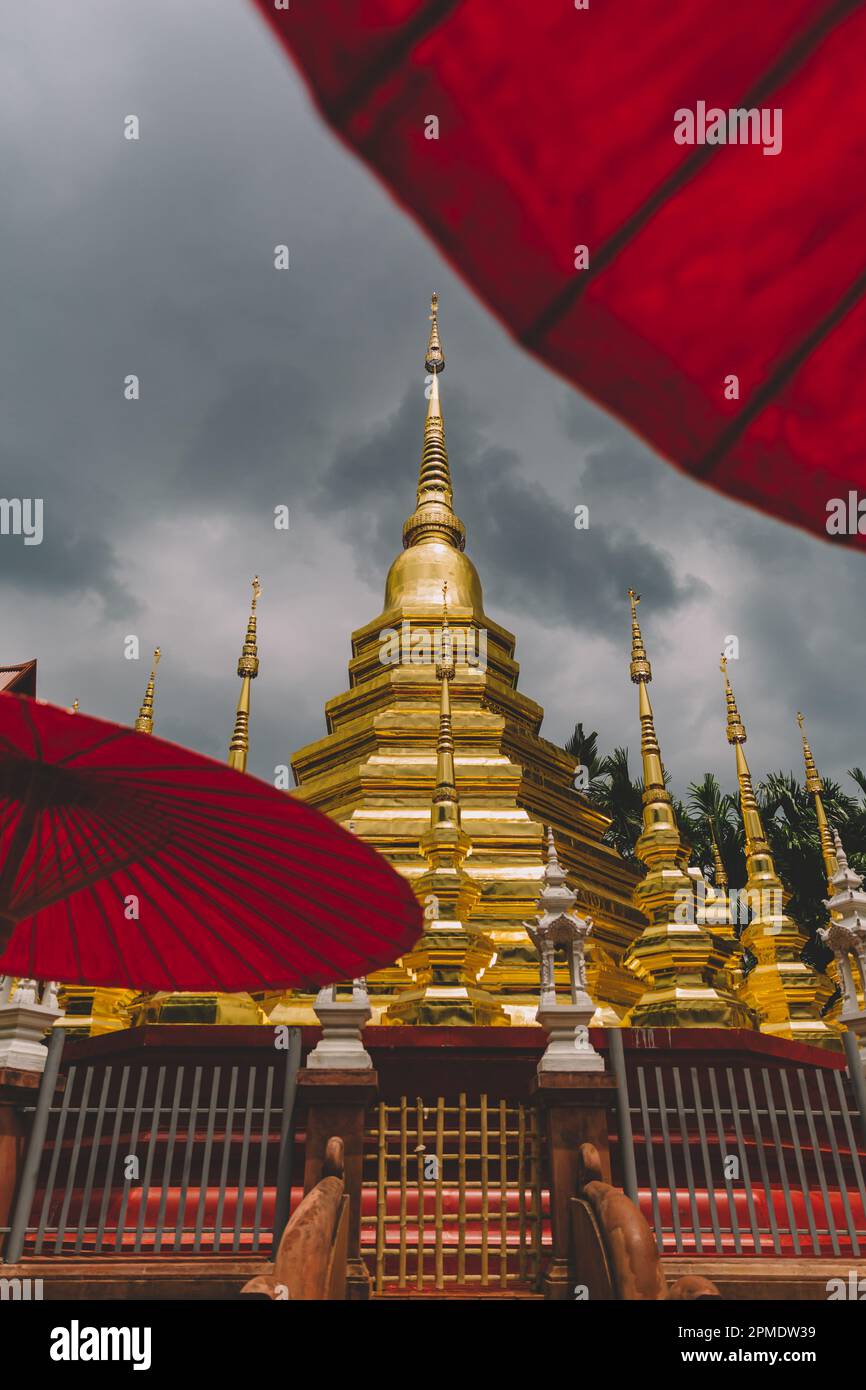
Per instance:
x=56, y=1153
x=503, y=1196
x=705, y=1155
x=651, y=1165
x=30, y=1170
x=783, y=1167
x=858, y=1078
x=133, y=1140
x=404, y=1182
x=720, y=1134
x=167, y=1161
x=461, y=1189
x=805, y=1187
x=819, y=1162
x=152, y=1146
x=245, y=1149
x=485, y=1200
x=228, y=1140
x=381, y=1197
x=421, y=1215
x=616, y=1049
x=187, y=1159
x=837, y=1161
x=744, y=1162
x=95, y=1141
x=264, y=1141
x=283, y=1193
x=440, y=1160
x=69, y=1182
x=762, y=1162
x=521, y=1192
x=852, y=1142
x=687, y=1155
x=205, y=1161
x=669, y=1164
x=108, y=1184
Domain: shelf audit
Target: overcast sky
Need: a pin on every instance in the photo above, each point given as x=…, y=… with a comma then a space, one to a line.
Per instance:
x=305, y=387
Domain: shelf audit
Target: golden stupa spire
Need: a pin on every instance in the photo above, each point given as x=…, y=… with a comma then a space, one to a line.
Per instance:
x=682, y=966
x=433, y=517
x=815, y=785
x=445, y=794
x=447, y=964
x=657, y=804
x=248, y=669
x=720, y=876
x=785, y=993
x=144, y=722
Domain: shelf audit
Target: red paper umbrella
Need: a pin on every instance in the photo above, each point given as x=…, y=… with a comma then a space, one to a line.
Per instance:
x=129, y=861
x=712, y=295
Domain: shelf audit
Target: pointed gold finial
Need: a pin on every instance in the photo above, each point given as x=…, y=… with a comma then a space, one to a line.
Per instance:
x=720, y=877
x=640, y=669
x=144, y=722
x=815, y=786
x=74, y=708
x=435, y=358
x=736, y=731
x=248, y=669
x=433, y=518
x=657, y=805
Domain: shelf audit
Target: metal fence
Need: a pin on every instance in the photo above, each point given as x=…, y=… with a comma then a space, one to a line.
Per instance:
x=155, y=1159
x=749, y=1159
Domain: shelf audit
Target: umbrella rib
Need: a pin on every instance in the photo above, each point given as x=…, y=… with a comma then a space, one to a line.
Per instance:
x=246, y=931
x=229, y=842
x=349, y=897
x=109, y=929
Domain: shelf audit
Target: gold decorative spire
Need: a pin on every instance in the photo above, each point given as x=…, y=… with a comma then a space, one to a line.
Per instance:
x=784, y=992
x=435, y=359
x=445, y=794
x=433, y=518
x=815, y=785
x=248, y=669
x=720, y=877
x=683, y=968
x=74, y=709
x=657, y=805
x=447, y=964
x=736, y=735
x=144, y=722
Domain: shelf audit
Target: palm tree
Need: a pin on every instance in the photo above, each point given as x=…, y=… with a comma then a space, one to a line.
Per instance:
x=583, y=747
x=621, y=799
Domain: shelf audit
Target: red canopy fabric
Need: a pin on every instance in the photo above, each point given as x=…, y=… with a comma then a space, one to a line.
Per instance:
x=556, y=129
x=126, y=860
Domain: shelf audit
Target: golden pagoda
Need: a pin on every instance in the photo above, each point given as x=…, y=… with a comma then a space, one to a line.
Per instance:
x=720, y=915
x=376, y=769
x=197, y=1006
x=91, y=1010
x=785, y=993
x=681, y=964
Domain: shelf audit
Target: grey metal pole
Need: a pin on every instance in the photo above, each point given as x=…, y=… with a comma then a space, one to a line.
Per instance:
x=623, y=1113
x=856, y=1073
x=30, y=1171
x=283, y=1195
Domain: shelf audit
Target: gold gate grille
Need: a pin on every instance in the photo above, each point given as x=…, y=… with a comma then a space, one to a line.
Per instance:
x=457, y=1193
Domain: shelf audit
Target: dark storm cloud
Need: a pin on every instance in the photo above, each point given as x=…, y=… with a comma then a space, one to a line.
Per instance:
x=306, y=387
x=524, y=541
